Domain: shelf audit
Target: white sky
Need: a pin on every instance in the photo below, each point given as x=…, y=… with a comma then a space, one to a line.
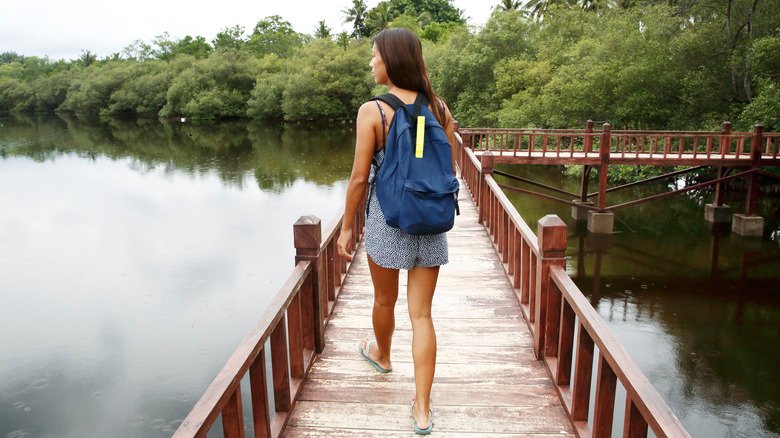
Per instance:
x=62, y=29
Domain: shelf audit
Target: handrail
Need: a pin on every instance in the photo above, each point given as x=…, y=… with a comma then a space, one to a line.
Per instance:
x=737, y=146
x=553, y=306
x=294, y=323
x=639, y=390
x=227, y=382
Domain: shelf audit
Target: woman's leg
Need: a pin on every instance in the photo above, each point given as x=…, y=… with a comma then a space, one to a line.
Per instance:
x=422, y=283
x=385, y=295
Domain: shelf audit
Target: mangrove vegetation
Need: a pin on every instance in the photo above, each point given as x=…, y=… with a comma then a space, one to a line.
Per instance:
x=639, y=64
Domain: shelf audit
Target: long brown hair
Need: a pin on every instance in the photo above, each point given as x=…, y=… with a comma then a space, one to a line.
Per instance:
x=401, y=51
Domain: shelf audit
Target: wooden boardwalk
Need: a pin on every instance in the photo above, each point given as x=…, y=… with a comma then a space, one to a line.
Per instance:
x=487, y=383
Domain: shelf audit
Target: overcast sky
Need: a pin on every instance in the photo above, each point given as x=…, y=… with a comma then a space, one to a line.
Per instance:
x=62, y=29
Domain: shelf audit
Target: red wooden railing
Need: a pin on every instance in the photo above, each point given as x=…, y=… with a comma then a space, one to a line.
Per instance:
x=563, y=323
x=294, y=323
x=626, y=146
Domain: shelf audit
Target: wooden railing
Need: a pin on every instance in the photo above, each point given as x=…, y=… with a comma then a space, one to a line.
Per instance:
x=624, y=144
x=563, y=323
x=294, y=323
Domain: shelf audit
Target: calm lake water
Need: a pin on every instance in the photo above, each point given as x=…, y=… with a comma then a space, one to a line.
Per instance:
x=135, y=255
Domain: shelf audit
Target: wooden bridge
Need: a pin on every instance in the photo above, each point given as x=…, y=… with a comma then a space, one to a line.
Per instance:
x=521, y=350
x=733, y=155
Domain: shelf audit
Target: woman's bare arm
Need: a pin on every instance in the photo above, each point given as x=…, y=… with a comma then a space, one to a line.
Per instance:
x=365, y=143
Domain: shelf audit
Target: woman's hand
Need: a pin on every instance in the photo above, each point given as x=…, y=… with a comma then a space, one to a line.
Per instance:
x=344, y=243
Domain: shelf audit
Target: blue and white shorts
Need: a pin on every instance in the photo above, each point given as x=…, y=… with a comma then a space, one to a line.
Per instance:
x=392, y=248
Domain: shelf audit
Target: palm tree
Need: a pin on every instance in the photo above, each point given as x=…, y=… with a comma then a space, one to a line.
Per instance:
x=357, y=16
x=537, y=8
x=322, y=31
x=378, y=18
x=595, y=5
x=508, y=5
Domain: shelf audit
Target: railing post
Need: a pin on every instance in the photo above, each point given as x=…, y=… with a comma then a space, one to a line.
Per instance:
x=588, y=136
x=755, y=158
x=459, y=152
x=307, y=233
x=725, y=138
x=604, y=148
x=487, y=169
x=551, y=233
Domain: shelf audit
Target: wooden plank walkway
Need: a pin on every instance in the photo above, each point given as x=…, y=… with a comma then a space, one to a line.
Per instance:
x=488, y=382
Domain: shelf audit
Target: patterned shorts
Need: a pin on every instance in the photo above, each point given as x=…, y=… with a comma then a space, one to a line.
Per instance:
x=392, y=248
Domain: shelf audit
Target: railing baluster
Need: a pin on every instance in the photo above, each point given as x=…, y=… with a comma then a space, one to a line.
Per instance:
x=565, y=343
x=634, y=424
x=259, y=391
x=233, y=416
x=681, y=146
x=525, y=271
x=331, y=272
x=580, y=396
x=532, y=286
x=296, y=337
x=605, y=400
x=279, y=367
x=517, y=254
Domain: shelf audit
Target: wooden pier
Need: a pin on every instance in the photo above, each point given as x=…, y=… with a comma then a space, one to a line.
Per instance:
x=521, y=352
x=487, y=377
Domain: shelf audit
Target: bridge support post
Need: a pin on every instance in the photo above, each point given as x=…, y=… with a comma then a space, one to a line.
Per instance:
x=714, y=213
x=601, y=222
x=749, y=224
x=307, y=236
x=580, y=213
x=551, y=232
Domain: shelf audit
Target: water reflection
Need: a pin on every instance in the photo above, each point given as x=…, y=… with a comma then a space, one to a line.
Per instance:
x=275, y=156
x=696, y=307
x=134, y=255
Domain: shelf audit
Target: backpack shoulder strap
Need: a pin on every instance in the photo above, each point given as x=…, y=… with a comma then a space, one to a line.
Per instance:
x=391, y=100
x=422, y=99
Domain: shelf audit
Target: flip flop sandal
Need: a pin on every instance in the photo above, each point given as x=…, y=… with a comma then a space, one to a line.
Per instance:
x=367, y=357
x=417, y=429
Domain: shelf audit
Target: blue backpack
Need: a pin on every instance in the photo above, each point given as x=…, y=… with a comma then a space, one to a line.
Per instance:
x=415, y=185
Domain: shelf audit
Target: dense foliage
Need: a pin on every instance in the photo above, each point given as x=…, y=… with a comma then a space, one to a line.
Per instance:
x=643, y=64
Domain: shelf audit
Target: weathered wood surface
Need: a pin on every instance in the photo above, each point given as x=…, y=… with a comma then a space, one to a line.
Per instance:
x=487, y=382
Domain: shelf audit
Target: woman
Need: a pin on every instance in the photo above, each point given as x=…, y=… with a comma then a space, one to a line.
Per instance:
x=397, y=62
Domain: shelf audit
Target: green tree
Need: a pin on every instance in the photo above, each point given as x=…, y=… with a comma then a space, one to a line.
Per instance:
x=464, y=74
x=343, y=40
x=90, y=91
x=427, y=11
x=322, y=30
x=9, y=57
x=50, y=90
x=509, y=5
x=215, y=87
x=274, y=35
x=138, y=50
x=357, y=16
x=229, y=38
x=146, y=92
x=15, y=96
x=327, y=82
x=196, y=47
x=87, y=58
